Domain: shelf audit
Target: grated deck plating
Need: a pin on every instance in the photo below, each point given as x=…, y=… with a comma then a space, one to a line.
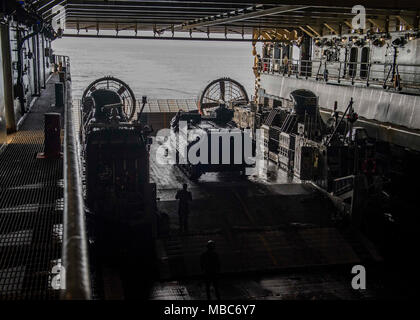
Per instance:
x=31, y=208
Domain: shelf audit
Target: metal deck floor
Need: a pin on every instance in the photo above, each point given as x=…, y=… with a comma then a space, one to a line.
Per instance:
x=272, y=235
x=315, y=285
x=31, y=207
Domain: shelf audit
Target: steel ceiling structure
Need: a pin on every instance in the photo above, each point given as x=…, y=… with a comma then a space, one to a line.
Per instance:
x=278, y=18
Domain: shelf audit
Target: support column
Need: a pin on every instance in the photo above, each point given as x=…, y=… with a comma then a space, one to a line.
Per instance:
x=257, y=63
x=44, y=75
x=7, y=79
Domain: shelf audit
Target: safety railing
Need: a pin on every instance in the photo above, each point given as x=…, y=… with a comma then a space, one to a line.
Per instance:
x=61, y=63
x=384, y=74
x=75, y=250
x=63, y=60
x=343, y=185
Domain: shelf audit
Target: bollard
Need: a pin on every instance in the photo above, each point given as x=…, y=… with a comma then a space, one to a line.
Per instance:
x=52, y=138
x=59, y=95
x=62, y=76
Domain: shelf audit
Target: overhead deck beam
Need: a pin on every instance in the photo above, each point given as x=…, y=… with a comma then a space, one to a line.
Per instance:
x=127, y=15
x=168, y=38
x=245, y=16
x=313, y=13
x=307, y=32
x=288, y=23
x=318, y=34
x=378, y=24
x=406, y=22
x=294, y=20
x=374, y=4
x=221, y=8
x=48, y=5
x=149, y=11
x=110, y=25
x=234, y=16
x=157, y=4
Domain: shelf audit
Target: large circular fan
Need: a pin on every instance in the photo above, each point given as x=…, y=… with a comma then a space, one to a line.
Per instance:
x=127, y=97
x=222, y=91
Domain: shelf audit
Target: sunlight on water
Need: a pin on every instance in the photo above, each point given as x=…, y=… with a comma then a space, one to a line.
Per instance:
x=157, y=68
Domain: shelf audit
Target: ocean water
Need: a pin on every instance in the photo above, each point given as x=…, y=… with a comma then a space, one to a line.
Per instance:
x=161, y=69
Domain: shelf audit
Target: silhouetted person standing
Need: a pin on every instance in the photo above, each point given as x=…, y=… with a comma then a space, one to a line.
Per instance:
x=285, y=65
x=184, y=198
x=210, y=265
